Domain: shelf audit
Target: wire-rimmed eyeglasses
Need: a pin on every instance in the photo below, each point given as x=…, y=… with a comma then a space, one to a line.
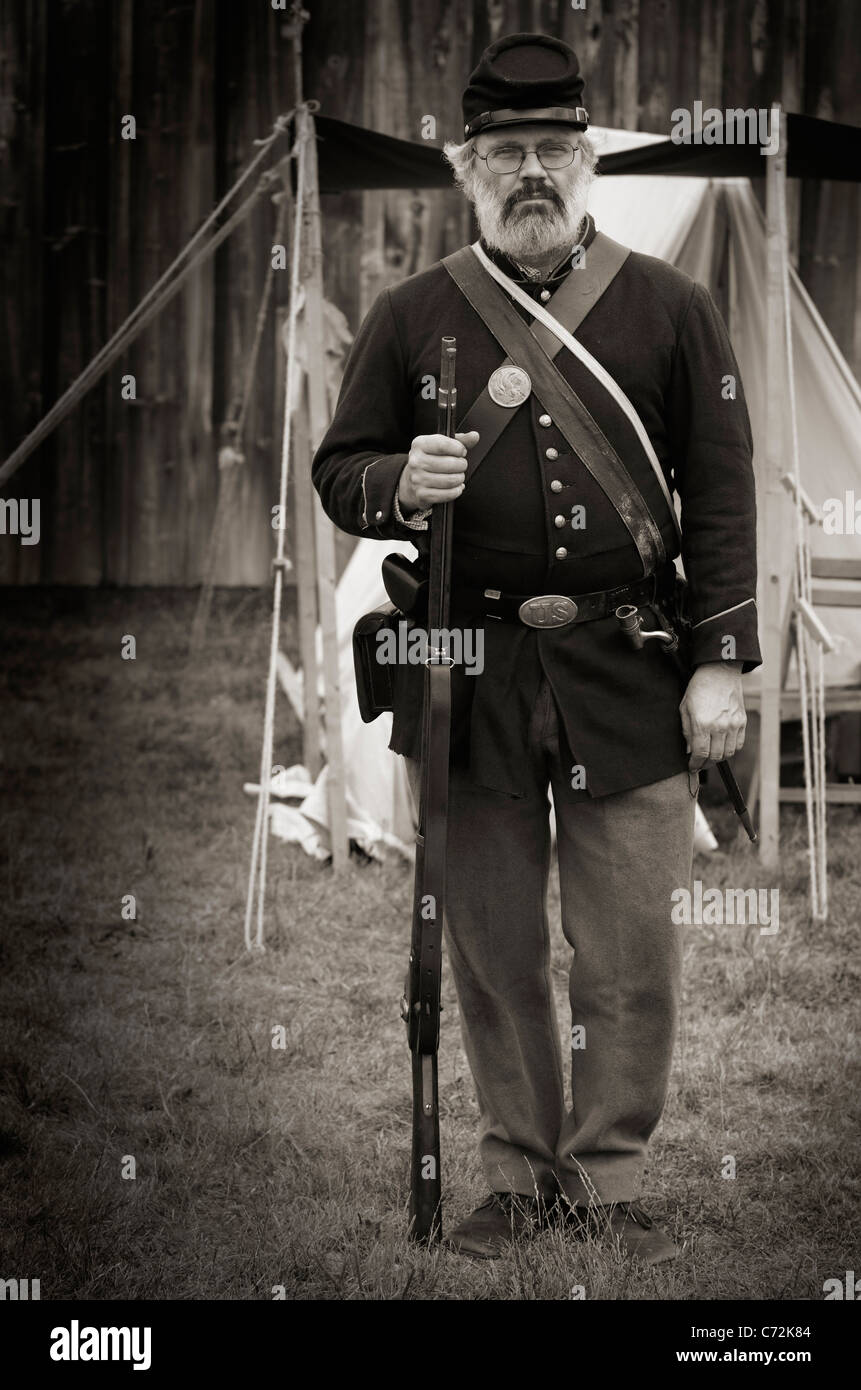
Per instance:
x=552, y=154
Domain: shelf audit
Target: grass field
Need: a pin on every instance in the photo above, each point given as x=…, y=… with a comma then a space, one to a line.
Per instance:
x=258, y=1167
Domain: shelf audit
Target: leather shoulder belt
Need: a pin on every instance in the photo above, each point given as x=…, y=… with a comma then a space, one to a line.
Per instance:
x=570, y=303
x=533, y=349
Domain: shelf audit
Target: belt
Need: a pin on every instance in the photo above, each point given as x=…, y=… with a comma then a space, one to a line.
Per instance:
x=563, y=610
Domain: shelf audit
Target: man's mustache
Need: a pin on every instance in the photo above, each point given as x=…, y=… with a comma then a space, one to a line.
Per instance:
x=531, y=190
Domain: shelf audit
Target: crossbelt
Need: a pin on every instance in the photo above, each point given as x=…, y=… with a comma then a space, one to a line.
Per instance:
x=578, y=427
x=505, y=607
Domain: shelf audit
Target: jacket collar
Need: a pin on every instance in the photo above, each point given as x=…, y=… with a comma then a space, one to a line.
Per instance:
x=556, y=276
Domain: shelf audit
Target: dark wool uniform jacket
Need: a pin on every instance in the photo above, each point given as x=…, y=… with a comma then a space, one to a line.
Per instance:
x=659, y=334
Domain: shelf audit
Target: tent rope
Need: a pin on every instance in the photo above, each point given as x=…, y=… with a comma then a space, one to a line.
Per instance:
x=257, y=872
x=159, y=294
x=809, y=650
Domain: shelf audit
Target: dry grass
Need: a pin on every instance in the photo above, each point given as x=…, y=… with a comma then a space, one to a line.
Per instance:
x=258, y=1167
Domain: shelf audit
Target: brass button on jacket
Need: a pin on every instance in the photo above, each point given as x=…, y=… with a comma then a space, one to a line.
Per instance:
x=555, y=486
x=544, y=420
x=562, y=553
x=559, y=521
x=551, y=453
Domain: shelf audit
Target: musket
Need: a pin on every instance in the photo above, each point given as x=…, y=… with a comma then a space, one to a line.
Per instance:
x=631, y=624
x=420, y=1006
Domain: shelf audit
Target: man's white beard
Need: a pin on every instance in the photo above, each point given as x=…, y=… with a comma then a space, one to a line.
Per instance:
x=534, y=230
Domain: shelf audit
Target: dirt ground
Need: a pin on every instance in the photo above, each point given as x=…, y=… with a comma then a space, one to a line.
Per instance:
x=144, y=1046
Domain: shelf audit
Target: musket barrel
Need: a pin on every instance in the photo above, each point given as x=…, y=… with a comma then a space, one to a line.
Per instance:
x=447, y=391
x=421, y=1008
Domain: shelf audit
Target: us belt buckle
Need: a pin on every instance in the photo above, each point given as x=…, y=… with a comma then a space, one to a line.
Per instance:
x=548, y=610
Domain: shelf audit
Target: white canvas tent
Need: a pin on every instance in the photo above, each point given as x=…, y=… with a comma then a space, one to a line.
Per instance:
x=682, y=220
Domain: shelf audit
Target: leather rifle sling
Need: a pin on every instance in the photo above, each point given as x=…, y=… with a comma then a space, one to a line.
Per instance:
x=574, y=421
x=576, y=296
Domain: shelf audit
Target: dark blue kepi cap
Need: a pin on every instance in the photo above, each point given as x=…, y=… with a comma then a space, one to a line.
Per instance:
x=524, y=77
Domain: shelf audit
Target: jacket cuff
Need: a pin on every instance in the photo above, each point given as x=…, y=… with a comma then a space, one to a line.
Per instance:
x=730, y=635
x=416, y=521
x=378, y=493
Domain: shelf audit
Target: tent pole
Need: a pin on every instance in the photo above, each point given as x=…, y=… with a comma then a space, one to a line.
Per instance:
x=306, y=591
x=774, y=507
x=324, y=533
x=305, y=570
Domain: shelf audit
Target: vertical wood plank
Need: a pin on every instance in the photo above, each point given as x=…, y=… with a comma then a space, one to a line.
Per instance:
x=655, y=76
x=830, y=243
x=78, y=79
x=606, y=39
x=440, y=59
x=253, y=86
x=22, y=163
x=149, y=439
x=197, y=445
x=334, y=63
x=711, y=43
x=416, y=66
x=386, y=106
x=791, y=94
x=117, y=491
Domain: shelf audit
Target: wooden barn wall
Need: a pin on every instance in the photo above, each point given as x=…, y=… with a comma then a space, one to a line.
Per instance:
x=128, y=489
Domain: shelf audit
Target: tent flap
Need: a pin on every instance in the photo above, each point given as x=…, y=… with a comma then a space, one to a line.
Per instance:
x=351, y=157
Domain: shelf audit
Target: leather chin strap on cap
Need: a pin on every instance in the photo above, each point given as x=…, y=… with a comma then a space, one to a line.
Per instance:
x=566, y=115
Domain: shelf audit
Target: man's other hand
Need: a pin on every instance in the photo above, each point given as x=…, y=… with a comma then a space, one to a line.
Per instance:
x=713, y=715
x=435, y=470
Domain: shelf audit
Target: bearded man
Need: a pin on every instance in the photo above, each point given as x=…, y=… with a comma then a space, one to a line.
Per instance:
x=550, y=538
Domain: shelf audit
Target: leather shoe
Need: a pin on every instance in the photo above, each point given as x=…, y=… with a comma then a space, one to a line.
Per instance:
x=496, y=1223
x=626, y=1222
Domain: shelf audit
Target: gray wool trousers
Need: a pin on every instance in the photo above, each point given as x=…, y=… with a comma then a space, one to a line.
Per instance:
x=620, y=857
